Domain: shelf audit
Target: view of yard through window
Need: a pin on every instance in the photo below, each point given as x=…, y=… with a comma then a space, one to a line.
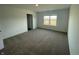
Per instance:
x=50, y=20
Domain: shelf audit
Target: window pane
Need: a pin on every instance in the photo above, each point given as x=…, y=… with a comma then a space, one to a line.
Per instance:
x=46, y=20
x=53, y=17
x=53, y=23
x=46, y=17
x=53, y=20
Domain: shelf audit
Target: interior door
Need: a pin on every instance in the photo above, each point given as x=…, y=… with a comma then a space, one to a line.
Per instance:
x=30, y=21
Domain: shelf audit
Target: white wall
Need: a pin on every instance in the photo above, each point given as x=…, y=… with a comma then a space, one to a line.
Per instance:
x=14, y=21
x=1, y=35
x=1, y=40
x=62, y=19
x=73, y=31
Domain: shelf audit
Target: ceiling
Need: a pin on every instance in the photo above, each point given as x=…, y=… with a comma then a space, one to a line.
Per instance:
x=40, y=7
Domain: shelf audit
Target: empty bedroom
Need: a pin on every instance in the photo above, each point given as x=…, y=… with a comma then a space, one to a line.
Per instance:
x=35, y=29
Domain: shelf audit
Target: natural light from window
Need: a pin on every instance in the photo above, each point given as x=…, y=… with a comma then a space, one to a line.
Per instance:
x=50, y=20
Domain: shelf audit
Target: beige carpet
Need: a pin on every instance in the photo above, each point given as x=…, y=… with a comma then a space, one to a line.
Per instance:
x=37, y=42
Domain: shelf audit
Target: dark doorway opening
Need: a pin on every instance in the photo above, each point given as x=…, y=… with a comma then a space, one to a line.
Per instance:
x=30, y=21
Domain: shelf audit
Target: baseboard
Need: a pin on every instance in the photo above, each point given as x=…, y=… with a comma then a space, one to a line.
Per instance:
x=51, y=30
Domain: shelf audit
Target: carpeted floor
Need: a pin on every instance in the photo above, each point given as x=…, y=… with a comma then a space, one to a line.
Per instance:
x=37, y=42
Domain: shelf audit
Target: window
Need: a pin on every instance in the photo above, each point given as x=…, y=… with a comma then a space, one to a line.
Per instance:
x=50, y=20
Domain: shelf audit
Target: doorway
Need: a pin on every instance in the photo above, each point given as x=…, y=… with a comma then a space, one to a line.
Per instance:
x=30, y=21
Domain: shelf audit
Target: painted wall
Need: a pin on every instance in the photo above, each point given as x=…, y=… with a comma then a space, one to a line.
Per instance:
x=73, y=31
x=1, y=40
x=14, y=21
x=62, y=19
